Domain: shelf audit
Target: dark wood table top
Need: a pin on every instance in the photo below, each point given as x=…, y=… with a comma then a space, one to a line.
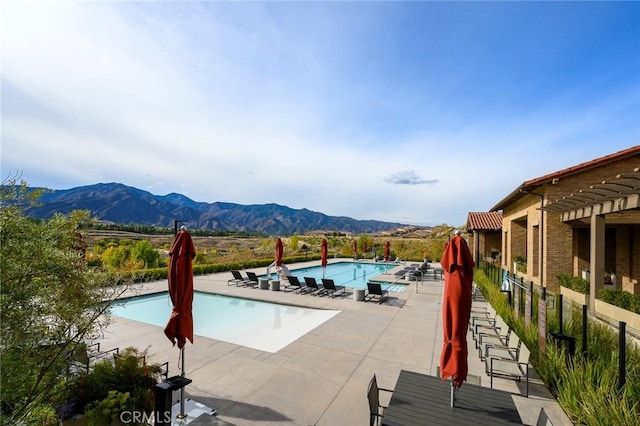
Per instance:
x=419, y=399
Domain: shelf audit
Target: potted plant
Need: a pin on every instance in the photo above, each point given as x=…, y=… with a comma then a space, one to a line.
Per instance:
x=519, y=264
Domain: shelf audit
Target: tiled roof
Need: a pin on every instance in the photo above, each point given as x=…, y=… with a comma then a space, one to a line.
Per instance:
x=532, y=184
x=484, y=220
x=634, y=150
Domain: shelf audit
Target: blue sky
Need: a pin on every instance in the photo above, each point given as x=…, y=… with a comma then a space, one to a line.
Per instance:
x=410, y=112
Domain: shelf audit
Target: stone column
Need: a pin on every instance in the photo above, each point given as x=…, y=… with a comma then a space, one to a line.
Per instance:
x=596, y=258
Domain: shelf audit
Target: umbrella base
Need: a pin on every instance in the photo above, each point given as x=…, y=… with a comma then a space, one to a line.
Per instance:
x=192, y=410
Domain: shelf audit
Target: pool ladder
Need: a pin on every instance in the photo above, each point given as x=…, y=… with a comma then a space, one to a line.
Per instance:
x=269, y=269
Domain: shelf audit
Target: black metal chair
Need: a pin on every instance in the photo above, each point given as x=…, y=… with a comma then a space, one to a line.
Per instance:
x=376, y=410
x=252, y=280
x=237, y=279
x=294, y=285
x=312, y=287
x=376, y=293
x=331, y=288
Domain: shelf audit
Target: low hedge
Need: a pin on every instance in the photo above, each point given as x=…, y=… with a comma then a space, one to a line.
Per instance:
x=157, y=274
x=622, y=299
x=574, y=283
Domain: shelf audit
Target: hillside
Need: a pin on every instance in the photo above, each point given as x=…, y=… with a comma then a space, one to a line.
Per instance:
x=118, y=203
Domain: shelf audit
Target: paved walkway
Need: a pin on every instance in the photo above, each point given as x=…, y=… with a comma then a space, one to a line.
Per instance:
x=322, y=377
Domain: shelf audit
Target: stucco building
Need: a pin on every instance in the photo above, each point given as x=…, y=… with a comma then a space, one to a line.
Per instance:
x=583, y=220
x=484, y=231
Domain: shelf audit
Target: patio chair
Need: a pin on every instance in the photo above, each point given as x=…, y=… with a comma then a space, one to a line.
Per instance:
x=84, y=357
x=237, y=279
x=509, y=351
x=331, y=288
x=400, y=273
x=492, y=335
x=294, y=285
x=375, y=292
x=252, y=280
x=514, y=369
x=311, y=287
x=494, y=327
x=376, y=410
x=487, y=316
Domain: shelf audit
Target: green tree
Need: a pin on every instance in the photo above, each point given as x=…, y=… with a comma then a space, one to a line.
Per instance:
x=267, y=245
x=294, y=242
x=50, y=304
x=365, y=240
x=116, y=258
x=144, y=252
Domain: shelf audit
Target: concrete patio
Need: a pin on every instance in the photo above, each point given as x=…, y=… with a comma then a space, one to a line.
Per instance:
x=322, y=377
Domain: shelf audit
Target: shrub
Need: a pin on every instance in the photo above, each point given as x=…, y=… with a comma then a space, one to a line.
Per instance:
x=622, y=299
x=127, y=373
x=41, y=415
x=574, y=283
x=108, y=409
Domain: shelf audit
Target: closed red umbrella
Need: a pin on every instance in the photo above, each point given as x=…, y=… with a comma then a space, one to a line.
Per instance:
x=387, y=246
x=457, y=264
x=181, y=254
x=279, y=252
x=355, y=248
x=180, y=325
x=364, y=249
x=324, y=253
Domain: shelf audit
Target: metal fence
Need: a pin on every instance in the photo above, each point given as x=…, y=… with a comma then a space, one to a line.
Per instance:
x=534, y=304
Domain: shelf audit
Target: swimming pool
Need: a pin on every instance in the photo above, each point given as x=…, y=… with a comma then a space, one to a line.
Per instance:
x=349, y=274
x=260, y=325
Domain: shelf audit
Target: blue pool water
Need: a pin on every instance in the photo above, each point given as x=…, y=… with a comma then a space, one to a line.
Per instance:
x=259, y=325
x=348, y=274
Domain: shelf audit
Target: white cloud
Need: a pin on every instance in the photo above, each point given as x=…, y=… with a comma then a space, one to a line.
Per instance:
x=409, y=177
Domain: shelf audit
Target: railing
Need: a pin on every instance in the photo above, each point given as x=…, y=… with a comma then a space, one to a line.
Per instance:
x=521, y=297
x=269, y=268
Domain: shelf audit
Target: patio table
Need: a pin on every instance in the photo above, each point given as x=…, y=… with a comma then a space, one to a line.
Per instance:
x=419, y=399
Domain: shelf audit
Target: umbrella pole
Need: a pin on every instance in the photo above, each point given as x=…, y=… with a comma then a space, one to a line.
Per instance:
x=181, y=415
x=453, y=393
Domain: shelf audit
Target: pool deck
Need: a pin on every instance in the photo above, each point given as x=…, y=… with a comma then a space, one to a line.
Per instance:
x=322, y=377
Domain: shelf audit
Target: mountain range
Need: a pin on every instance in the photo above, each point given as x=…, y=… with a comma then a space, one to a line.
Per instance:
x=121, y=204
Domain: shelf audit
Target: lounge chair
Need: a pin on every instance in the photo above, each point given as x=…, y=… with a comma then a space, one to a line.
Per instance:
x=495, y=334
x=252, y=280
x=312, y=287
x=237, y=279
x=508, y=351
x=487, y=317
x=331, y=288
x=294, y=284
x=376, y=410
x=493, y=339
x=514, y=369
x=375, y=292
